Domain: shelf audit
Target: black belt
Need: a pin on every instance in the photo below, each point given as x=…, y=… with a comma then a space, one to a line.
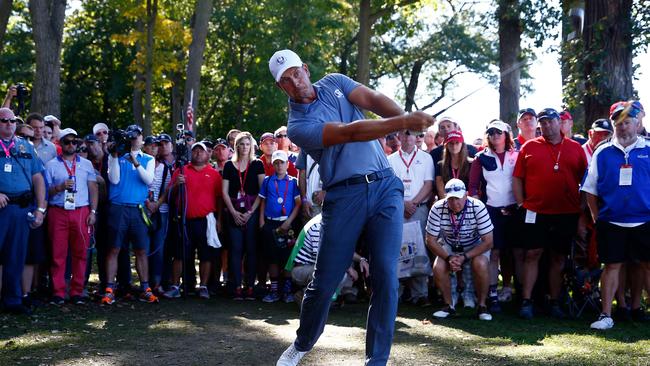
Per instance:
x=22, y=200
x=369, y=178
x=126, y=204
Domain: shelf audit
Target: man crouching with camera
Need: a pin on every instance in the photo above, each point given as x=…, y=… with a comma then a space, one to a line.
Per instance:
x=129, y=173
x=465, y=231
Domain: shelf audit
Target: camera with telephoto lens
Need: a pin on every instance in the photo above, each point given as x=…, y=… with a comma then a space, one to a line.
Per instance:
x=21, y=94
x=182, y=152
x=120, y=140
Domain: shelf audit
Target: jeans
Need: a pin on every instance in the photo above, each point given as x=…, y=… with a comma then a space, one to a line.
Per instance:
x=156, y=249
x=377, y=210
x=242, y=240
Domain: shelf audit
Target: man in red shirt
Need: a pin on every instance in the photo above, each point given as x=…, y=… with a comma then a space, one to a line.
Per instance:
x=202, y=185
x=545, y=183
x=268, y=146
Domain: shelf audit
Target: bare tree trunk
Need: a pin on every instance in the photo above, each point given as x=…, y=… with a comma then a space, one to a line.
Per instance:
x=363, y=44
x=413, y=85
x=608, y=61
x=176, y=99
x=5, y=12
x=509, y=54
x=571, y=49
x=152, y=13
x=47, y=20
x=139, y=82
x=202, y=13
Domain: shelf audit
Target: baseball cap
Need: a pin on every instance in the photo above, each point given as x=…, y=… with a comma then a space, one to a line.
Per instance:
x=150, y=140
x=454, y=136
x=281, y=61
x=266, y=135
x=164, y=137
x=614, y=105
x=134, y=128
x=50, y=118
x=499, y=125
x=623, y=110
x=638, y=105
x=221, y=141
x=455, y=188
x=199, y=144
x=208, y=143
x=188, y=133
x=90, y=138
x=565, y=115
x=99, y=126
x=525, y=111
x=67, y=131
x=602, y=124
x=279, y=155
x=548, y=113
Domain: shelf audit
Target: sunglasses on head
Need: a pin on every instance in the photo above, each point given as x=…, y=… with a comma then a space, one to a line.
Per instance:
x=280, y=136
x=8, y=120
x=454, y=189
x=494, y=131
x=69, y=142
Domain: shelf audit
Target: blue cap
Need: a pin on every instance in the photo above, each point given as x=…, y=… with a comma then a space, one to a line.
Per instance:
x=525, y=111
x=150, y=140
x=548, y=113
x=90, y=138
x=164, y=137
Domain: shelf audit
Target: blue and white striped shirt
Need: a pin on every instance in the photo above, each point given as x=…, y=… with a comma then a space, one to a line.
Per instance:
x=475, y=224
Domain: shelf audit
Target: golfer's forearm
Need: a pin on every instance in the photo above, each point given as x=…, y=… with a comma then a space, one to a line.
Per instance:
x=361, y=130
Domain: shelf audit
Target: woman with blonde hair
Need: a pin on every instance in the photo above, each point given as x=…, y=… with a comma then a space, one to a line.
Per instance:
x=242, y=178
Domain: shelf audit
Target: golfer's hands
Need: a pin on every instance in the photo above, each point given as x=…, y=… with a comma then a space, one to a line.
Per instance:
x=418, y=121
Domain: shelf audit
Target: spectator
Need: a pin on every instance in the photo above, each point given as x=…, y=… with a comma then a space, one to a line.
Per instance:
x=242, y=179
x=129, y=181
x=279, y=209
x=100, y=130
x=392, y=143
x=73, y=208
x=616, y=191
x=430, y=139
x=284, y=144
x=415, y=168
x=445, y=126
x=220, y=154
x=25, y=131
x=311, y=186
x=491, y=182
x=268, y=147
x=12, y=92
x=21, y=175
x=459, y=232
x=566, y=127
x=455, y=162
x=231, y=136
x=600, y=131
x=527, y=124
x=166, y=149
x=545, y=183
x=45, y=149
x=419, y=140
x=47, y=132
x=203, y=190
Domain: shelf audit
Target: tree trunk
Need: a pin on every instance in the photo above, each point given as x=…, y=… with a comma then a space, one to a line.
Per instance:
x=176, y=116
x=5, y=12
x=202, y=13
x=608, y=51
x=152, y=13
x=572, y=49
x=413, y=85
x=363, y=45
x=47, y=22
x=139, y=82
x=508, y=14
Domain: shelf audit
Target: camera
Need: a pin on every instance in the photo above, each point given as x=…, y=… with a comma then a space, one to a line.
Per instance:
x=118, y=142
x=182, y=152
x=21, y=94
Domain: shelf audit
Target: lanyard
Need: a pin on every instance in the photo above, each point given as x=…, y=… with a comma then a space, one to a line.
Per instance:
x=72, y=172
x=408, y=165
x=556, y=167
x=286, y=190
x=7, y=149
x=242, y=181
x=456, y=225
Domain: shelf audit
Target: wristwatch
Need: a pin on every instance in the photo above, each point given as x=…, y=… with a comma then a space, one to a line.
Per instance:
x=93, y=212
x=41, y=210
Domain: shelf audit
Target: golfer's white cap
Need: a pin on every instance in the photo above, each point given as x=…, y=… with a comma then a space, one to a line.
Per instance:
x=281, y=61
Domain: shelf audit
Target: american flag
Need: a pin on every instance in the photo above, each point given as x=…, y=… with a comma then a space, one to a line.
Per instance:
x=190, y=112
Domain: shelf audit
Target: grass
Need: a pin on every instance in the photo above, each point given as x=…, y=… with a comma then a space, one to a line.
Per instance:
x=223, y=332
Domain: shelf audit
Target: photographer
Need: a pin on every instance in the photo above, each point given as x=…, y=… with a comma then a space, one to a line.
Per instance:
x=130, y=173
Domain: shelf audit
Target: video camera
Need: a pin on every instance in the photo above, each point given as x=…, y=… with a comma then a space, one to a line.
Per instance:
x=121, y=140
x=182, y=152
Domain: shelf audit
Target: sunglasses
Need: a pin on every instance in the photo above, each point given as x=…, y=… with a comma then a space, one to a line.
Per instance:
x=101, y=133
x=8, y=120
x=454, y=189
x=280, y=136
x=82, y=149
x=409, y=133
x=494, y=131
x=69, y=142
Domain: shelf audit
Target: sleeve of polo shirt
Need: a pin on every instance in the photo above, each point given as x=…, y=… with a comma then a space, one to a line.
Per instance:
x=301, y=162
x=483, y=222
x=520, y=165
x=48, y=175
x=346, y=84
x=429, y=170
x=433, y=222
x=589, y=184
x=36, y=164
x=263, y=191
x=306, y=133
x=294, y=187
x=92, y=175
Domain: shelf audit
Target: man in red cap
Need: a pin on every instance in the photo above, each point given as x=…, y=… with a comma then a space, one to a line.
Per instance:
x=566, y=126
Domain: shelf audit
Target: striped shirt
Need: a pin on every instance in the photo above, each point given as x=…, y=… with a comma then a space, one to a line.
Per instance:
x=475, y=224
x=157, y=183
x=309, y=250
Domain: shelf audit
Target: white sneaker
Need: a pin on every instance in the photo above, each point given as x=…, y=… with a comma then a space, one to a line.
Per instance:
x=445, y=312
x=604, y=322
x=505, y=295
x=290, y=357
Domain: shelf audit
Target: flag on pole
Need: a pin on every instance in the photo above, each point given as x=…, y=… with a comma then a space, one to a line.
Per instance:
x=190, y=112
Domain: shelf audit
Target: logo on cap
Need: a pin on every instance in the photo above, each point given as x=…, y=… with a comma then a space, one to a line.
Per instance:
x=280, y=60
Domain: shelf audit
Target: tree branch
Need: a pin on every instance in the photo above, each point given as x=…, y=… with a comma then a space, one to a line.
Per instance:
x=443, y=88
x=388, y=10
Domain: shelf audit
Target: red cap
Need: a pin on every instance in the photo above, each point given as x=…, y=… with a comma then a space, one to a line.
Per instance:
x=565, y=115
x=454, y=136
x=613, y=107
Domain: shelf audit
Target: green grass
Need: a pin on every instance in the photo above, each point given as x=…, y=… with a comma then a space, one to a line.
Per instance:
x=224, y=332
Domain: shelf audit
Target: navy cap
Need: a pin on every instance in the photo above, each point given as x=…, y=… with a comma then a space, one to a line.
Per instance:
x=188, y=133
x=150, y=140
x=525, y=111
x=602, y=124
x=164, y=137
x=221, y=141
x=548, y=113
x=134, y=128
x=90, y=138
x=208, y=143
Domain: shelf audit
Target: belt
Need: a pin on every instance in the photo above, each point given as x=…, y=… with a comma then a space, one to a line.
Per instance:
x=22, y=200
x=368, y=178
x=280, y=219
x=126, y=204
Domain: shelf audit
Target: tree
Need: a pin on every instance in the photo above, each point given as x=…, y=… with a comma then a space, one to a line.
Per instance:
x=201, y=18
x=47, y=21
x=5, y=12
x=510, y=30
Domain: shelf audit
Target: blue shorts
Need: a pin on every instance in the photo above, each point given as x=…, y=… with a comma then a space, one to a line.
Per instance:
x=126, y=225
